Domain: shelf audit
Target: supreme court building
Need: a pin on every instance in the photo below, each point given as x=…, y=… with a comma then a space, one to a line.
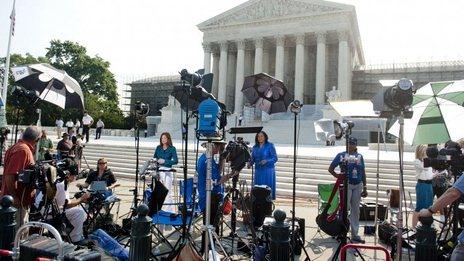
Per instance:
x=310, y=45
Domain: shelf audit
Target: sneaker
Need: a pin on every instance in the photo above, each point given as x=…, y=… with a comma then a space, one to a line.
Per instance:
x=358, y=239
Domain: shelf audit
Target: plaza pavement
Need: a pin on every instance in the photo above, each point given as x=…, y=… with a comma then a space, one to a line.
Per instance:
x=319, y=245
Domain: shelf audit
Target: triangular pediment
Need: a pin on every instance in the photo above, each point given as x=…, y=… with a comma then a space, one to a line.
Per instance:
x=258, y=10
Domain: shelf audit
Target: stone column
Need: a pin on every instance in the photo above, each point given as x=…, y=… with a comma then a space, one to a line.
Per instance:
x=223, y=72
x=320, y=68
x=266, y=61
x=207, y=57
x=259, y=55
x=279, y=60
x=299, y=67
x=239, y=77
x=343, y=65
x=215, y=74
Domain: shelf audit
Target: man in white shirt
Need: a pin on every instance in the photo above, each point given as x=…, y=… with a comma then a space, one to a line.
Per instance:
x=59, y=127
x=87, y=122
x=69, y=125
x=100, y=126
x=75, y=214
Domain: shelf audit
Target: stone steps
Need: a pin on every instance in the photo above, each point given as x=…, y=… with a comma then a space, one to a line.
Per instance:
x=311, y=170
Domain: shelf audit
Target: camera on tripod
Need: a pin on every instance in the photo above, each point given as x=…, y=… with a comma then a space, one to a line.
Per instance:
x=96, y=198
x=450, y=157
x=4, y=133
x=237, y=153
x=42, y=173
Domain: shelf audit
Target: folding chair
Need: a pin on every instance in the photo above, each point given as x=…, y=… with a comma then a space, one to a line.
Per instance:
x=324, y=191
x=174, y=219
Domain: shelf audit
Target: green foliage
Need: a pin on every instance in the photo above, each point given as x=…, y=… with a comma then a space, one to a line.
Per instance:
x=93, y=75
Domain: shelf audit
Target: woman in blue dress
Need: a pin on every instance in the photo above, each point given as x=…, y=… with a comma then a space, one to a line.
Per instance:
x=264, y=157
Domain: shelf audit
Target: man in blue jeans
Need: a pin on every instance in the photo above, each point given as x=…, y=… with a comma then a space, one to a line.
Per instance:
x=451, y=195
x=356, y=182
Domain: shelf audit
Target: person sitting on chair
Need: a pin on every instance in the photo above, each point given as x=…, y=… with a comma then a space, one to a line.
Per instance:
x=64, y=147
x=103, y=173
x=74, y=213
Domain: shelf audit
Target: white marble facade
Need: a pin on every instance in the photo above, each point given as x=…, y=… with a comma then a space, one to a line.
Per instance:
x=311, y=45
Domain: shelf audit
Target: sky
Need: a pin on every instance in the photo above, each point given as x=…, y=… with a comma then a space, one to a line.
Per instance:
x=143, y=38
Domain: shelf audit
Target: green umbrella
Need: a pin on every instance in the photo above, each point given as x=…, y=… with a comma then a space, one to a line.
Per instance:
x=438, y=114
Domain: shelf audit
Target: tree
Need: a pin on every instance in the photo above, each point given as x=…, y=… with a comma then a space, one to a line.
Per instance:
x=93, y=75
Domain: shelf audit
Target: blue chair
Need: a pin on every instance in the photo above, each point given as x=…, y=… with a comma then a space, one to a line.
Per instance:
x=173, y=219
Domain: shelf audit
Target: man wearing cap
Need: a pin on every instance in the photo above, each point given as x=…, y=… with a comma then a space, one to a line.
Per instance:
x=217, y=190
x=357, y=186
x=64, y=147
x=72, y=209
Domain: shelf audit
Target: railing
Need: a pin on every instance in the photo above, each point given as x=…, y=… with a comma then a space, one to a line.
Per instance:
x=356, y=246
x=391, y=66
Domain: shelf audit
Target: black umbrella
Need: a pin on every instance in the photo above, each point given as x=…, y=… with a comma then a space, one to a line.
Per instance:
x=53, y=85
x=266, y=93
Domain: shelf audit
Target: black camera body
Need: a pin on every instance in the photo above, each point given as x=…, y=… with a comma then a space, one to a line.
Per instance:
x=395, y=99
x=39, y=174
x=450, y=157
x=4, y=134
x=237, y=153
x=96, y=198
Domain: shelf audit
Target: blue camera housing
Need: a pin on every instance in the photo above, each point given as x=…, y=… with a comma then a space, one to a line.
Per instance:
x=208, y=118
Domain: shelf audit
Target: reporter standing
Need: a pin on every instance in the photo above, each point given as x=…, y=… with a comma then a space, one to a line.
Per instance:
x=424, y=188
x=264, y=157
x=166, y=155
x=19, y=157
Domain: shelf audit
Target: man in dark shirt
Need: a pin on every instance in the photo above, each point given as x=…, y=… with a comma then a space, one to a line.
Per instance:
x=357, y=186
x=64, y=147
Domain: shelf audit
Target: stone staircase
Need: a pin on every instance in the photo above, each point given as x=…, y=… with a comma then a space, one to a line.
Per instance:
x=311, y=170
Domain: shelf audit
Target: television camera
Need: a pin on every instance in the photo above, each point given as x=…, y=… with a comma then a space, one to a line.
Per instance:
x=237, y=153
x=44, y=175
x=3, y=134
x=450, y=157
x=96, y=198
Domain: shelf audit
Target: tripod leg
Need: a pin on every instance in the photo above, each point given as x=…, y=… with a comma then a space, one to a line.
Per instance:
x=337, y=252
x=300, y=241
x=216, y=237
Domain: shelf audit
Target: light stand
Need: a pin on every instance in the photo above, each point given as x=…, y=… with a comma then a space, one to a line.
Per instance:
x=399, y=223
x=209, y=229
x=346, y=130
x=295, y=108
x=343, y=238
x=140, y=112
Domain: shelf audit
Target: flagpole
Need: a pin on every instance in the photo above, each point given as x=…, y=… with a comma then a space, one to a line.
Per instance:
x=3, y=122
